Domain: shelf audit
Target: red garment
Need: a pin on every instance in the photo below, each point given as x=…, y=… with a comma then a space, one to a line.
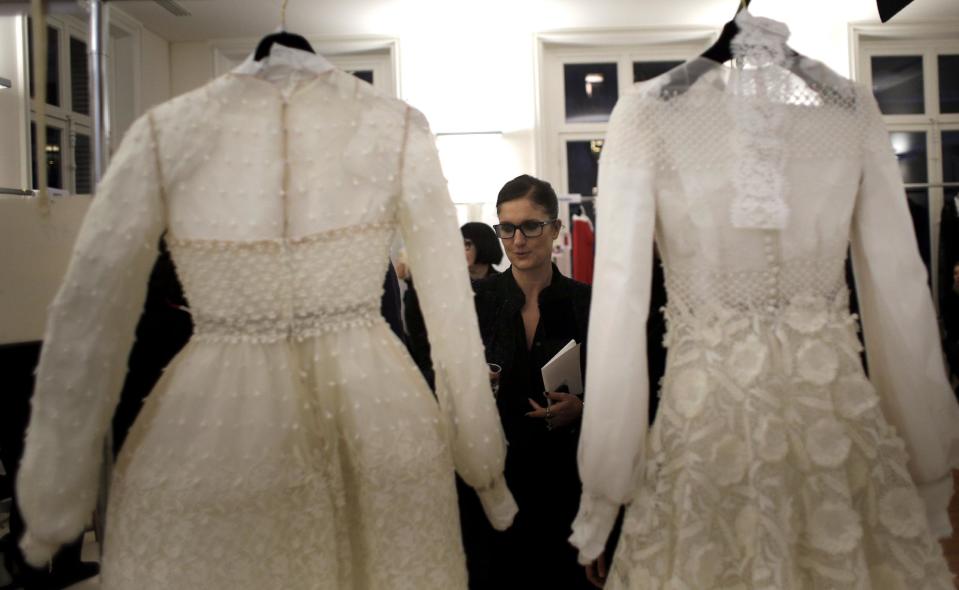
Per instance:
x=584, y=244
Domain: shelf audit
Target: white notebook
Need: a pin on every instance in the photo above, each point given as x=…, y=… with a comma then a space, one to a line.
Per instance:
x=564, y=369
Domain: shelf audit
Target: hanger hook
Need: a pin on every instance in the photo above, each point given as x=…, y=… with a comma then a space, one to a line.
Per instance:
x=283, y=15
x=743, y=5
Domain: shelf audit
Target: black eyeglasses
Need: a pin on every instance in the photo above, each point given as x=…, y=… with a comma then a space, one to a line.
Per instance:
x=530, y=229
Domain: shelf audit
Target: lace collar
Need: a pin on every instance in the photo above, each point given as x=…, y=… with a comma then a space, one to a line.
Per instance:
x=760, y=41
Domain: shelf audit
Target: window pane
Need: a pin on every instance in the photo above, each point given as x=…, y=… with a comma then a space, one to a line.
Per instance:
x=54, y=156
x=647, y=70
x=582, y=162
x=53, y=63
x=80, y=89
x=53, y=66
x=897, y=84
x=918, y=199
x=365, y=75
x=591, y=91
x=950, y=156
x=949, y=83
x=83, y=158
x=910, y=148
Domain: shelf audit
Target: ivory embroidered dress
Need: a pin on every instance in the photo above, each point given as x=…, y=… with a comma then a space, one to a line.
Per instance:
x=293, y=443
x=773, y=462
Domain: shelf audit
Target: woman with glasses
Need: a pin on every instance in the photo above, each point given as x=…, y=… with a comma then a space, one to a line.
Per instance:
x=526, y=315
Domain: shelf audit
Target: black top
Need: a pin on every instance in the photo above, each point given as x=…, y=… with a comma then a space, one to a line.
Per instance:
x=564, y=316
x=540, y=464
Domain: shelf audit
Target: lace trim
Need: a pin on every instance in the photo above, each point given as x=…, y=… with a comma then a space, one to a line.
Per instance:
x=264, y=330
x=758, y=141
x=760, y=40
x=284, y=289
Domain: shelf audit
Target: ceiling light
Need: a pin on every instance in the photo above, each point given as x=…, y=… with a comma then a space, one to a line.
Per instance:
x=590, y=80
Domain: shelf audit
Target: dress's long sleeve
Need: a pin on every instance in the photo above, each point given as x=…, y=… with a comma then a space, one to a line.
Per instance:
x=899, y=324
x=612, y=443
x=435, y=246
x=90, y=330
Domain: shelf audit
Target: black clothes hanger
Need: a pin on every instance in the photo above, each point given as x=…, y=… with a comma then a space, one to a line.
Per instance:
x=889, y=8
x=284, y=38
x=721, y=51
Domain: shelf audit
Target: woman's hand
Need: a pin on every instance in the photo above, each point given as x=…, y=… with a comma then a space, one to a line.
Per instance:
x=596, y=571
x=564, y=409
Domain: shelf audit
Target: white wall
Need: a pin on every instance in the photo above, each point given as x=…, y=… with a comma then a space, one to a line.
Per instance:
x=191, y=66
x=154, y=69
x=34, y=254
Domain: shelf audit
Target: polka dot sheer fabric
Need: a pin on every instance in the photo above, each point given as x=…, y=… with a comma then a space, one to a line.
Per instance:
x=292, y=443
x=774, y=462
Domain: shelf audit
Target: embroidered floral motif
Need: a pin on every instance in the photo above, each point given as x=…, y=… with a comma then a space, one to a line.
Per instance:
x=747, y=359
x=834, y=528
x=902, y=512
x=816, y=362
x=854, y=396
x=827, y=443
x=729, y=461
x=806, y=313
x=688, y=390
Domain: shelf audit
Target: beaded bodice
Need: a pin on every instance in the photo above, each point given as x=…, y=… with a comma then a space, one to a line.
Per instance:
x=270, y=290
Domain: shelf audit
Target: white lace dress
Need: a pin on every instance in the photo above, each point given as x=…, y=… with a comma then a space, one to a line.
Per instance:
x=293, y=443
x=773, y=462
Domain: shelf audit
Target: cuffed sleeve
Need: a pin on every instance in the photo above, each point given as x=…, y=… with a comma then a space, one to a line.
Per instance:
x=435, y=248
x=89, y=333
x=899, y=323
x=612, y=443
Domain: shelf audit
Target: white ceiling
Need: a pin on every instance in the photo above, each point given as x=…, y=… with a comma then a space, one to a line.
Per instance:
x=218, y=19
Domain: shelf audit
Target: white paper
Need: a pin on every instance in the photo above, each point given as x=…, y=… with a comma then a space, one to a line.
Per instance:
x=564, y=369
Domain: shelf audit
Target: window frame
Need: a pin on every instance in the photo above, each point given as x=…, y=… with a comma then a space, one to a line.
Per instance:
x=620, y=46
x=61, y=117
x=928, y=41
x=64, y=117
